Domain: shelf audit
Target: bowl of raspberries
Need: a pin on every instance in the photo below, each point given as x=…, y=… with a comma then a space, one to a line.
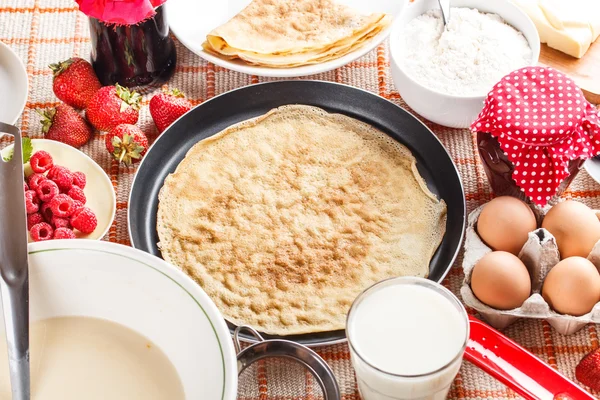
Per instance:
x=67, y=195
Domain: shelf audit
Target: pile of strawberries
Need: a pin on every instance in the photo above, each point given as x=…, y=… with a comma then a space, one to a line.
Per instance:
x=55, y=201
x=111, y=109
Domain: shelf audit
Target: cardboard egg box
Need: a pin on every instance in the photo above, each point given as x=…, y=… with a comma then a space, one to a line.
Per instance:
x=539, y=255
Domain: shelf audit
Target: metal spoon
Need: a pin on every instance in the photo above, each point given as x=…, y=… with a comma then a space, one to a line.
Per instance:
x=445, y=7
x=14, y=267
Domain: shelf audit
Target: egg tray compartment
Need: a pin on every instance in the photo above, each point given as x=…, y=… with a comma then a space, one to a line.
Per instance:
x=539, y=254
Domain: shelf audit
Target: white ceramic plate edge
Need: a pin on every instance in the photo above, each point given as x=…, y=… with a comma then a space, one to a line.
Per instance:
x=313, y=69
x=23, y=78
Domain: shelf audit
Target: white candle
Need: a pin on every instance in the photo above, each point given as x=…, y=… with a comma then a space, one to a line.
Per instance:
x=407, y=337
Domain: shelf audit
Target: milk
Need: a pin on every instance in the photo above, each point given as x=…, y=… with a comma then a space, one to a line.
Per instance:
x=407, y=336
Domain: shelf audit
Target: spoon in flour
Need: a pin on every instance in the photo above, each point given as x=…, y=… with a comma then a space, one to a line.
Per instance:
x=445, y=7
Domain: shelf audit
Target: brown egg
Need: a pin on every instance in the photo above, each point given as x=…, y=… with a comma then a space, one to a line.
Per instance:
x=572, y=286
x=504, y=224
x=575, y=227
x=501, y=280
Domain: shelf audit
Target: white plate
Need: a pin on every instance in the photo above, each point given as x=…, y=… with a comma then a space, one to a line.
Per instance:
x=132, y=288
x=13, y=85
x=192, y=20
x=592, y=166
x=99, y=191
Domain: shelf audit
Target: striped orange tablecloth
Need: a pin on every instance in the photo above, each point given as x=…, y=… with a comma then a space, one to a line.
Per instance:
x=46, y=31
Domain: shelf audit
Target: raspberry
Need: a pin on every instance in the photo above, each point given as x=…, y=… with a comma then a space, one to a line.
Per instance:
x=84, y=221
x=64, y=233
x=79, y=179
x=31, y=202
x=35, y=180
x=25, y=187
x=76, y=193
x=77, y=206
x=46, y=212
x=41, y=162
x=41, y=231
x=33, y=219
x=52, y=171
x=46, y=190
x=61, y=206
x=58, y=222
x=62, y=177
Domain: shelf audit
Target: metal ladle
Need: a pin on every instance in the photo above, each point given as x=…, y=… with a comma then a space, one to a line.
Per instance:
x=14, y=266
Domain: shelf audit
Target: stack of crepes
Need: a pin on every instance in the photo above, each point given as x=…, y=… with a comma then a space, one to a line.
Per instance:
x=283, y=33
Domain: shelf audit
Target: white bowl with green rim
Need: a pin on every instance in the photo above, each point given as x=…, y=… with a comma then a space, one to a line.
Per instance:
x=144, y=293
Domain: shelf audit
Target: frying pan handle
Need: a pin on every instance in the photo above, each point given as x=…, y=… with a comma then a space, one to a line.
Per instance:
x=516, y=367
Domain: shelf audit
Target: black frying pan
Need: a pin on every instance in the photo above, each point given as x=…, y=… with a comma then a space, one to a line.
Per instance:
x=218, y=113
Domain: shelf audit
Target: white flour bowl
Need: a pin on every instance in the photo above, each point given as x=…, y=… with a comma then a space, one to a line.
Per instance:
x=445, y=109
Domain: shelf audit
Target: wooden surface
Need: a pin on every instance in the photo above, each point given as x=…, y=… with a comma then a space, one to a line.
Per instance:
x=585, y=71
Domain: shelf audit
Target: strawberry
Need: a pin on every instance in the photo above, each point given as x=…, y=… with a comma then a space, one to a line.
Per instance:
x=65, y=125
x=112, y=106
x=166, y=107
x=127, y=143
x=75, y=82
x=588, y=370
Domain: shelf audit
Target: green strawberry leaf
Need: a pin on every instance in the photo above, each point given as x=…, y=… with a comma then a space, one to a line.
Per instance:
x=27, y=149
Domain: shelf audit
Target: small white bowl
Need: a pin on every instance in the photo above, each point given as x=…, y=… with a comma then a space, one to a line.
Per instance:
x=99, y=191
x=13, y=85
x=144, y=293
x=445, y=109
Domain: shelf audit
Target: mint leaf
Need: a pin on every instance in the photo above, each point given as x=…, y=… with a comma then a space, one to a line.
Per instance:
x=27, y=149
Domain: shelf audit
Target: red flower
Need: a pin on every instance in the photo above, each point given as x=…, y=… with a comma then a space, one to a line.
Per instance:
x=120, y=12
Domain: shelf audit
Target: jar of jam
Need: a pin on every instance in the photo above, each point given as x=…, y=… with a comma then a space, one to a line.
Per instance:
x=133, y=54
x=499, y=169
x=534, y=134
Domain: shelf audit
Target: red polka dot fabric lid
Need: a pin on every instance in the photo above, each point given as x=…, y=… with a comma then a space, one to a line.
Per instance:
x=542, y=121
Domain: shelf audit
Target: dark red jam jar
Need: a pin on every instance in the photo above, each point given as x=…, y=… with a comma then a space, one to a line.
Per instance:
x=534, y=134
x=133, y=55
x=499, y=170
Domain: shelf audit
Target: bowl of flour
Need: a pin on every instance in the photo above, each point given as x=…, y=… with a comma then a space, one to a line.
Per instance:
x=445, y=73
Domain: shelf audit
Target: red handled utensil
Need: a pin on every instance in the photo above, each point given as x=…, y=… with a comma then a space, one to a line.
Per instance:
x=516, y=367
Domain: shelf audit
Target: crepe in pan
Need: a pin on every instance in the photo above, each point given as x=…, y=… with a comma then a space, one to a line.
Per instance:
x=284, y=219
x=283, y=34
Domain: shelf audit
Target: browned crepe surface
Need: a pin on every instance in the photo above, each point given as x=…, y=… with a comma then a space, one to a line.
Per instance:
x=286, y=218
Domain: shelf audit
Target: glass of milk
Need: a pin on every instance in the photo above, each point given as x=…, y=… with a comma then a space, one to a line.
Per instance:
x=407, y=337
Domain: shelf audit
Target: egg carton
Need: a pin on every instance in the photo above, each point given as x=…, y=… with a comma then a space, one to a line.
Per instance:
x=539, y=254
